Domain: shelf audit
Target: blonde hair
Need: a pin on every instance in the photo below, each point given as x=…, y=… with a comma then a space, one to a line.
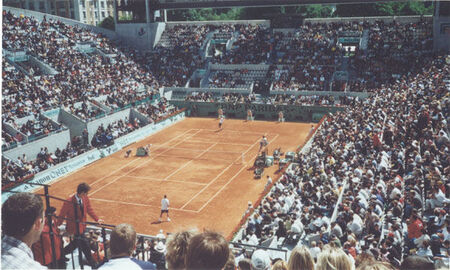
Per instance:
x=332, y=258
x=300, y=259
x=376, y=266
x=280, y=265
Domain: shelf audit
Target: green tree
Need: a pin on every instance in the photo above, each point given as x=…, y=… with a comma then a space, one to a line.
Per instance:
x=107, y=23
x=315, y=11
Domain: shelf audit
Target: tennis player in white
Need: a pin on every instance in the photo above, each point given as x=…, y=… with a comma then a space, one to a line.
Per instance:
x=164, y=207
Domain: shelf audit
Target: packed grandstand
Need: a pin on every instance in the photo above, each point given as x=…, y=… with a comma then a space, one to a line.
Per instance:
x=374, y=180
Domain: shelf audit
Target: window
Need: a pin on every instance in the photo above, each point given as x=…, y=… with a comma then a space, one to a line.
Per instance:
x=102, y=4
x=83, y=4
x=95, y=3
x=103, y=14
x=42, y=5
x=84, y=14
x=96, y=15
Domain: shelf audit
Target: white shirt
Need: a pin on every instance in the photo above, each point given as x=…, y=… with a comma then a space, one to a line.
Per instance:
x=165, y=204
x=315, y=251
x=121, y=263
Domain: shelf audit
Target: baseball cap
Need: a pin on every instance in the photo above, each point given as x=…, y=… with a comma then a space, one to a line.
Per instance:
x=260, y=260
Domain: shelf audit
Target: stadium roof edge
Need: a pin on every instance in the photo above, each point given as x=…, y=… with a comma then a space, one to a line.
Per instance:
x=189, y=4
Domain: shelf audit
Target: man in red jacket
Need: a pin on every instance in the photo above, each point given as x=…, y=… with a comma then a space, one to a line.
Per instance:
x=42, y=250
x=83, y=206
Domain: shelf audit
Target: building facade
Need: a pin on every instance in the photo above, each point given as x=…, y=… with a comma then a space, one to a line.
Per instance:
x=86, y=11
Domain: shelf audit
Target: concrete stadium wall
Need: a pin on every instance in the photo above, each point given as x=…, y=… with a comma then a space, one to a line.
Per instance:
x=93, y=125
x=136, y=114
x=400, y=19
x=260, y=111
x=75, y=124
x=251, y=22
x=362, y=95
x=212, y=90
x=40, y=16
x=137, y=35
x=441, y=38
x=52, y=142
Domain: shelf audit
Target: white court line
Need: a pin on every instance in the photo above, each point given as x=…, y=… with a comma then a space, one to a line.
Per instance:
x=160, y=180
x=148, y=160
x=141, y=204
x=113, y=172
x=228, y=130
x=181, y=167
x=217, y=193
x=244, y=144
x=215, y=178
x=224, y=186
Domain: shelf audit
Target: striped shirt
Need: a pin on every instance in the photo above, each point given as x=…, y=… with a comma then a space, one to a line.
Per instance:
x=17, y=255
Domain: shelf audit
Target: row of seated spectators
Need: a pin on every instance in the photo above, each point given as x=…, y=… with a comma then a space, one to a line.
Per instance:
x=84, y=111
x=312, y=100
x=79, y=75
x=16, y=171
x=325, y=100
x=388, y=159
x=158, y=111
x=105, y=136
x=229, y=79
x=301, y=76
x=37, y=127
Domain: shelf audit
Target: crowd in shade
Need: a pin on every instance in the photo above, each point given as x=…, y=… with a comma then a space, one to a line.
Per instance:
x=393, y=50
x=229, y=79
x=177, y=55
x=253, y=45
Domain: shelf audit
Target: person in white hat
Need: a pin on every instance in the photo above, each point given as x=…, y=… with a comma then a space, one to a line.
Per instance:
x=161, y=235
x=260, y=260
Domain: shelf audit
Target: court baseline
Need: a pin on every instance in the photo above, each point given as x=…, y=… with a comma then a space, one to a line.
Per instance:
x=148, y=160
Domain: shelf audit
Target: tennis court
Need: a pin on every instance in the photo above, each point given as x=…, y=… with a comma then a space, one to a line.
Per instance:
x=206, y=174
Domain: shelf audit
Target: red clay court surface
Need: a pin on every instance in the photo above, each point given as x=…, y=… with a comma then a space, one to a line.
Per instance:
x=198, y=167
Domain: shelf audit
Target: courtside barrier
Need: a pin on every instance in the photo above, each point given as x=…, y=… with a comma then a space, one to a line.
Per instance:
x=52, y=174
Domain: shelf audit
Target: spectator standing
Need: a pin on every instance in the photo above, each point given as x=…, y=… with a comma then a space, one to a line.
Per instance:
x=22, y=224
x=83, y=208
